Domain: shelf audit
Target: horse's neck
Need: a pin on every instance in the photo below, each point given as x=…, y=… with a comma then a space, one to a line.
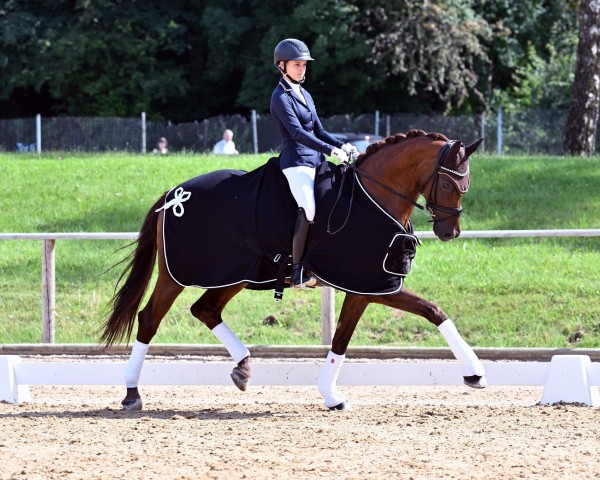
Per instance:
x=398, y=167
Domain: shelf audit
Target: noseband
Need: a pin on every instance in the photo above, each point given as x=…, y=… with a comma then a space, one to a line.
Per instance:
x=430, y=207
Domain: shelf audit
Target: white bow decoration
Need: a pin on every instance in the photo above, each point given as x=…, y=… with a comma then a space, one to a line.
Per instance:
x=176, y=202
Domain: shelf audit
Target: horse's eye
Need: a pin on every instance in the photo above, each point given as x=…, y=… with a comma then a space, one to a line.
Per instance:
x=447, y=186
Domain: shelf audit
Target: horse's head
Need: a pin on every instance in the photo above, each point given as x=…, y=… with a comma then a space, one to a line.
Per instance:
x=404, y=166
x=445, y=187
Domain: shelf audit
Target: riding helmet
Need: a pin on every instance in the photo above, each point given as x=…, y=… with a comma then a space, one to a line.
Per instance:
x=291, y=49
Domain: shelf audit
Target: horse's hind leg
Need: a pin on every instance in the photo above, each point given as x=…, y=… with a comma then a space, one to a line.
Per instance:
x=208, y=310
x=473, y=370
x=162, y=298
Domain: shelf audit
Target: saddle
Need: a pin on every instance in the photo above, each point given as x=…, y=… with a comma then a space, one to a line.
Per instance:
x=229, y=226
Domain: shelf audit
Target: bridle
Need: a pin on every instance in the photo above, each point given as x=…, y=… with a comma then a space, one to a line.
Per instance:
x=430, y=207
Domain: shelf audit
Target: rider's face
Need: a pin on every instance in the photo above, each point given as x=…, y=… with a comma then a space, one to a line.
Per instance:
x=296, y=69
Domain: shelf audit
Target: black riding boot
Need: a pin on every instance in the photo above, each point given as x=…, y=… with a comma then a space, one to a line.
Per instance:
x=300, y=278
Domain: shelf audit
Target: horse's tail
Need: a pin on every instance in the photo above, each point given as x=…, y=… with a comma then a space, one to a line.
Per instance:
x=125, y=303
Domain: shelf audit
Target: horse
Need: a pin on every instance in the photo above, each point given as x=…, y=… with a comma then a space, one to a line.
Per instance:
x=392, y=174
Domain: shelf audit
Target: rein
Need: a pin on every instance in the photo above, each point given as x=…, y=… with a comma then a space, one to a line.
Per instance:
x=430, y=207
x=351, y=166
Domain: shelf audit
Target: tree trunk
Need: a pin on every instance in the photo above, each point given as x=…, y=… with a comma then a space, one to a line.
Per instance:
x=580, y=135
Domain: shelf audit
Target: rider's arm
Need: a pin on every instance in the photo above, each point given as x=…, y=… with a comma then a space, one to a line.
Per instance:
x=323, y=135
x=318, y=129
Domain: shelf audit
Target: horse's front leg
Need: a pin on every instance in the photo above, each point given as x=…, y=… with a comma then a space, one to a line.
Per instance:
x=473, y=371
x=352, y=309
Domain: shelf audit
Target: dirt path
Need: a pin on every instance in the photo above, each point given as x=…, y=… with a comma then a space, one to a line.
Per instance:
x=285, y=432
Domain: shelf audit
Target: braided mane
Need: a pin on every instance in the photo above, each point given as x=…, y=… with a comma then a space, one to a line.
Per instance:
x=398, y=137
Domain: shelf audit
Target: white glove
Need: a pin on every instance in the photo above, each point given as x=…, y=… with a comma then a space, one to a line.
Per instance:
x=340, y=155
x=349, y=149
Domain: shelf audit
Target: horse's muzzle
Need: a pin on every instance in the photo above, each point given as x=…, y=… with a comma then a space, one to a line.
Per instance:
x=446, y=232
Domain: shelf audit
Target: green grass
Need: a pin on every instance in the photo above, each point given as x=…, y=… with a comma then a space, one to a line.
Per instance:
x=500, y=292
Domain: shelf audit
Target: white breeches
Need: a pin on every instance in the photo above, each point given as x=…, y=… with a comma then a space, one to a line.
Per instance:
x=302, y=186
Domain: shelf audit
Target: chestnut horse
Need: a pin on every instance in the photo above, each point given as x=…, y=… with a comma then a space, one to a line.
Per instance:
x=394, y=173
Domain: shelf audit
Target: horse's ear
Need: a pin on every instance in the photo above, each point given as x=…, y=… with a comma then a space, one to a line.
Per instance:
x=454, y=150
x=474, y=146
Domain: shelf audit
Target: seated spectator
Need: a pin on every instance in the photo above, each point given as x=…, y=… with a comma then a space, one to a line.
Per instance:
x=226, y=146
x=162, y=146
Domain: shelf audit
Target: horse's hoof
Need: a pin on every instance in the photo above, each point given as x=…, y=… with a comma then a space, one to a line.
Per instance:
x=475, y=381
x=132, y=405
x=241, y=381
x=342, y=406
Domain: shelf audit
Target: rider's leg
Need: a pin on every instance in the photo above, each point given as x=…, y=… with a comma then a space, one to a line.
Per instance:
x=300, y=278
x=302, y=183
x=301, y=180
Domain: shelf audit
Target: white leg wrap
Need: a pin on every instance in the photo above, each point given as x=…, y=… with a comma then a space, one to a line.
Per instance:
x=134, y=365
x=236, y=349
x=461, y=350
x=328, y=379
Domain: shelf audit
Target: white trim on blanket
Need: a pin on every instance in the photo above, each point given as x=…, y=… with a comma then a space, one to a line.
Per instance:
x=360, y=293
x=377, y=205
x=324, y=281
x=388, y=253
x=197, y=286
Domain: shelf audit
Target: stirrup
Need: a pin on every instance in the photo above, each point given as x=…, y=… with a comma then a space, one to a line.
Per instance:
x=298, y=279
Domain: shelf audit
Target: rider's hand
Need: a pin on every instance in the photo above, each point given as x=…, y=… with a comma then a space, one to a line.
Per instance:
x=340, y=155
x=349, y=149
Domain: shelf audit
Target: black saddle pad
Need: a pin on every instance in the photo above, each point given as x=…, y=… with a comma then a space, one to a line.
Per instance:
x=234, y=226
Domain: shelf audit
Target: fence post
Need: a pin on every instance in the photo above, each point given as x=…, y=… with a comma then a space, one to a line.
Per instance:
x=499, y=141
x=327, y=315
x=254, y=133
x=48, y=291
x=38, y=134
x=482, y=130
x=387, y=125
x=376, y=132
x=143, y=132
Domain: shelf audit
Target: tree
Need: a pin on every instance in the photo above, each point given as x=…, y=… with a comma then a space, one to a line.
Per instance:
x=545, y=83
x=431, y=47
x=107, y=57
x=187, y=60
x=340, y=78
x=531, y=52
x=580, y=135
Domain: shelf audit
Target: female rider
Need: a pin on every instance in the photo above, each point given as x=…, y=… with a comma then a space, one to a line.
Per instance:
x=305, y=144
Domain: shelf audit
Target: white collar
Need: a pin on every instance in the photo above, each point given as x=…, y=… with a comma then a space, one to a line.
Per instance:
x=296, y=89
x=292, y=87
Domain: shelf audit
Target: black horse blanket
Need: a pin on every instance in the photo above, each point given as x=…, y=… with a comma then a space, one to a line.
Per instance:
x=231, y=226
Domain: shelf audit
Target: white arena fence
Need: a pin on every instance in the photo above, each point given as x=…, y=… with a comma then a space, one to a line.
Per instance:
x=566, y=378
x=328, y=319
